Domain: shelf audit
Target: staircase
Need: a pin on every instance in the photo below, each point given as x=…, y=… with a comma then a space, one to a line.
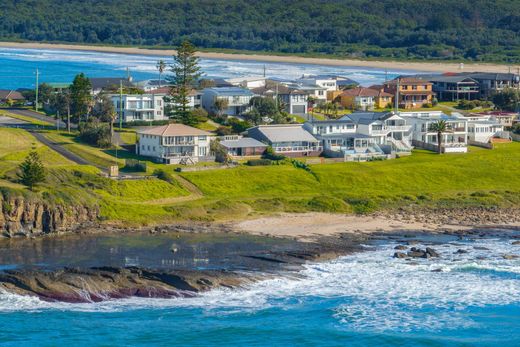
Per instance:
x=399, y=145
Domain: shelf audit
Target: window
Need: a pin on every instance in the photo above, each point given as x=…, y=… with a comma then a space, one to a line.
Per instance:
x=414, y=87
x=404, y=87
x=202, y=138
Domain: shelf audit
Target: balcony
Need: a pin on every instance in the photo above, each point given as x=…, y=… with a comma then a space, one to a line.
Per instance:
x=398, y=127
x=297, y=149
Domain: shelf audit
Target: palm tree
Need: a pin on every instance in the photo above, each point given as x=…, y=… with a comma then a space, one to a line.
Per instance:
x=161, y=66
x=439, y=127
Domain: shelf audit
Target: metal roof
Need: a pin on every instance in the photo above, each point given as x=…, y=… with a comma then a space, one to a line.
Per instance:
x=243, y=142
x=230, y=91
x=286, y=133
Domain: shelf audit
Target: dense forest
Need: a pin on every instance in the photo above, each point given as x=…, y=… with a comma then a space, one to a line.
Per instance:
x=482, y=30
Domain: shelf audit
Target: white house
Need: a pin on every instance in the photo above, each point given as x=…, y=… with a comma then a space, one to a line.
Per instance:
x=324, y=81
x=174, y=144
x=363, y=135
x=237, y=98
x=139, y=107
x=455, y=140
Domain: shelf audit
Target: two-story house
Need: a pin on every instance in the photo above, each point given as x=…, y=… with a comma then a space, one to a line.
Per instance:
x=174, y=144
x=139, y=107
x=365, y=98
x=295, y=100
x=454, y=140
x=453, y=87
x=237, y=99
x=410, y=92
x=490, y=83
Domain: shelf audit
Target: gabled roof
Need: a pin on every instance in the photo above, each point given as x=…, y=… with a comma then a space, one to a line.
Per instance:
x=364, y=92
x=10, y=94
x=408, y=80
x=174, y=129
x=491, y=76
x=285, y=133
x=242, y=143
x=273, y=89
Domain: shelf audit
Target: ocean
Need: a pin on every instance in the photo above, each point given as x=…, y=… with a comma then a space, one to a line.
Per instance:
x=469, y=298
x=18, y=67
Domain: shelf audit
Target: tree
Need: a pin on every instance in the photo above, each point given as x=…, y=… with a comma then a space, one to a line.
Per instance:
x=161, y=66
x=32, y=170
x=80, y=96
x=105, y=111
x=266, y=107
x=186, y=72
x=220, y=152
x=61, y=104
x=220, y=106
x=439, y=127
x=508, y=99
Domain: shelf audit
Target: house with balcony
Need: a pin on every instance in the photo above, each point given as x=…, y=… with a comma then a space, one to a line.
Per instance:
x=237, y=99
x=411, y=92
x=483, y=130
x=174, y=144
x=454, y=140
x=139, y=107
x=490, y=82
x=294, y=99
x=363, y=135
x=453, y=87
x=291, y=140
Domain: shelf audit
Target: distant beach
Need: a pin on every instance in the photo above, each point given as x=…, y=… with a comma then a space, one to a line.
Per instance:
x=405, y=65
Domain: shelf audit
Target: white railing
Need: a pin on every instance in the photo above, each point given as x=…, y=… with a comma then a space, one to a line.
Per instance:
x=297, y=149
x=399, y=127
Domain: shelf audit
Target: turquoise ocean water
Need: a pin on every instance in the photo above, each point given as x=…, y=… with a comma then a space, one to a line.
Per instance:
x=18, y=66
x=366, y=299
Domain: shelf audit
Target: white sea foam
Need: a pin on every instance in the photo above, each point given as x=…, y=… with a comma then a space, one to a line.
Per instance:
x=211, y=67
x=374, y=290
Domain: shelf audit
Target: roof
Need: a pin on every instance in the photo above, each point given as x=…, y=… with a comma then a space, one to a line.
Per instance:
x=230, y=91
x=367, y=117
x=491, y=76
x=174, y=129
x=10, y=94
x=103, y=82
x=408, y=80
x=361, y=91
x=281, y=89
x=242, y=143
x=286, y=133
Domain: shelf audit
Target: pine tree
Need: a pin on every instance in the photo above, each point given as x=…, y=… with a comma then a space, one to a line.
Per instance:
x=186, y=72
x=32, y=170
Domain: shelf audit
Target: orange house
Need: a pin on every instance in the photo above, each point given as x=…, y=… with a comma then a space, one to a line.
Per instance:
x=413, y=92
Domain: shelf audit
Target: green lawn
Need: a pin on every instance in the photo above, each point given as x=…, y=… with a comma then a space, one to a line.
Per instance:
x=15, y=145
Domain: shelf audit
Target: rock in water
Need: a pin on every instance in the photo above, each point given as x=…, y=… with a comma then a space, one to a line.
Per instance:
x=432, y=252
x=399, y=255
x=401, y=247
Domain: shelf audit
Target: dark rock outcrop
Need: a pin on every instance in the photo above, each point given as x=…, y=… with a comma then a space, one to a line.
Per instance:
x=23, y=216
x=98, y=284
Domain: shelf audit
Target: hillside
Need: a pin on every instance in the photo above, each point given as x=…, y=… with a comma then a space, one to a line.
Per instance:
x=406, y=29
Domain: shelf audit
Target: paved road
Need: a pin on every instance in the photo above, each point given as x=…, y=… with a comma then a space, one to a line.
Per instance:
x=60, y=149
x=39, y=116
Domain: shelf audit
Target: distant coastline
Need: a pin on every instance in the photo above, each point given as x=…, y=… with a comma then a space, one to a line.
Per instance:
x=397, y=65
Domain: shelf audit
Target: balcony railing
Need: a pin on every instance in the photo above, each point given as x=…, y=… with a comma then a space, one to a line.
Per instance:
x=398, y=127
x=298, y=149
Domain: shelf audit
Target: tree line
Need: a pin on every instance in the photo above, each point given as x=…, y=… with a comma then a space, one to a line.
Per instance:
x=479, y=30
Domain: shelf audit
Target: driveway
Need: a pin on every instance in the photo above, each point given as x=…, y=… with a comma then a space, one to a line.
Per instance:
x=60, y=149
x=38, y=116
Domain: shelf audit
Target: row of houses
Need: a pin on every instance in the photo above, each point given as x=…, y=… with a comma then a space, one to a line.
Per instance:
x=357, y=136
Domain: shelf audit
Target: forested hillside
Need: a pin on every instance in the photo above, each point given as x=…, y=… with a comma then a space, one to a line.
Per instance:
x=441, y=29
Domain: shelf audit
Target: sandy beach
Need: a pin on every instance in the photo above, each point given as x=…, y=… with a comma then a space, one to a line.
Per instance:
x=397, y=65
x=311, y=226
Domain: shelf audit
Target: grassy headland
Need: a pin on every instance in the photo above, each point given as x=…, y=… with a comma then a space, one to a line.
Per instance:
x=424, y=180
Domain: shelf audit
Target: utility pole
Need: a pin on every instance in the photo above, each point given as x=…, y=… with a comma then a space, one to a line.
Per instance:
x=120, y=105
x=58, y=120
x=37, y=91
x=397, y=96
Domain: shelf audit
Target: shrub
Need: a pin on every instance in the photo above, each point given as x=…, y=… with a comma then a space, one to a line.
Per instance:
x=259, y=162
x=223, y=131
x=200, y=115
x=141, y=123
x=238, y=126
x=270, y=154
x=95, y=133
x=362, y=206
x=164, y=175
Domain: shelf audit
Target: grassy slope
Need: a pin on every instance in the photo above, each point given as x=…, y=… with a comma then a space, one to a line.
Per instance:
x=25, y=119
x=424, y=179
